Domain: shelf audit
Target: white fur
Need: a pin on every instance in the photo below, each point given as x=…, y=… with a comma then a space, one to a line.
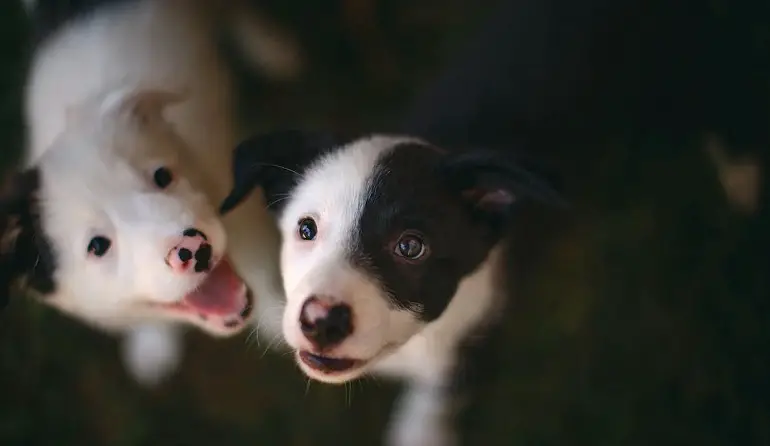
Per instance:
x=152, y=352
x=393, y=341
x=254, y=248
x=420, y=418
x=98, y=127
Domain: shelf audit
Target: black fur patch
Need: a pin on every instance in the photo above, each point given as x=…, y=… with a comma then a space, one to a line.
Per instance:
x=460, y=205
x=275, y=161
x=408, y=193
x=25, y=251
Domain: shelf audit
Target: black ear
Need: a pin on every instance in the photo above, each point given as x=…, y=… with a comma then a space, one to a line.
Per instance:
x=25, y=253
x=493, y=183
x=274, y=161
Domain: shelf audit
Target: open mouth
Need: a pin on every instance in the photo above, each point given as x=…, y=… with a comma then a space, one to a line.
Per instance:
x=222, y=299
x=328, y=365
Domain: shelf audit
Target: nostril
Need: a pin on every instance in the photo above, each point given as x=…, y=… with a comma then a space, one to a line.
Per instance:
x=336, y=327
x=193, y=232
x=203, y=258
x=338, y=319
x=338, y=324
x=185, y=255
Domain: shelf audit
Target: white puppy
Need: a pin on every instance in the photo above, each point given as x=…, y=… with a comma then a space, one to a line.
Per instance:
x=113, y=216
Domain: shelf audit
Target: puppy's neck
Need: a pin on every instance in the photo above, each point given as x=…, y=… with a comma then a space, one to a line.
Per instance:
x=431, y=354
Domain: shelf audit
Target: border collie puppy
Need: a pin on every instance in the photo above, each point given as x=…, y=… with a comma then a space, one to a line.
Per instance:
x=113, y=218
x=390, y=258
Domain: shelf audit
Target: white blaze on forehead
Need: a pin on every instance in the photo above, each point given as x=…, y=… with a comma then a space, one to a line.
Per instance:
x=333, y=192
x=335, y=186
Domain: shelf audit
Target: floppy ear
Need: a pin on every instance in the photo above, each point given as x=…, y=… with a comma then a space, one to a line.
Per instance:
x=275, y=161
x=25, y=254
x=144, y=104
x=492, y=184
x=140, y=103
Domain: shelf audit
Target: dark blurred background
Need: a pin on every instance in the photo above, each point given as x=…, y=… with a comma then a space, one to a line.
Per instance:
x=641, y=315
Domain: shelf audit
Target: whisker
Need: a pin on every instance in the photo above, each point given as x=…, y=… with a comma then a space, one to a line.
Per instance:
x=279, y=167
x=273, y=203
x=374, y=379
x=249, y=342
x=348, y=391
x=273, y=342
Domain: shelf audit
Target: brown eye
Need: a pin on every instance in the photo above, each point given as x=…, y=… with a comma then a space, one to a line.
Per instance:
x=162, y=177
x=410, y=247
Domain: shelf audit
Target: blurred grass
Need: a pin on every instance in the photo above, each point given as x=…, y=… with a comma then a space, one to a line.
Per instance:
x=641, y=317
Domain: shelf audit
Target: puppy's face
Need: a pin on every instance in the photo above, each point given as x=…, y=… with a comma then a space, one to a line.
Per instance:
x=377, y=235
x=108, y=227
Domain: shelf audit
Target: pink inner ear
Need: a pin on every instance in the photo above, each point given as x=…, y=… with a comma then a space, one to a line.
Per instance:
x=497, y=198
x=490, y=199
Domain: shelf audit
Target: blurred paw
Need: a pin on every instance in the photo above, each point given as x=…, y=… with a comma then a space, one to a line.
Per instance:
x=152, y=352
x=271, y=49
x=416, y=434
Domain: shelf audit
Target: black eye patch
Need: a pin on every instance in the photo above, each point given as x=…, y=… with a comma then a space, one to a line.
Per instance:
x=25, y=250
x=414, y=235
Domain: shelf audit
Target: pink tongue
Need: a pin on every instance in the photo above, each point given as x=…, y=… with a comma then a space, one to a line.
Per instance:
x=220, y=293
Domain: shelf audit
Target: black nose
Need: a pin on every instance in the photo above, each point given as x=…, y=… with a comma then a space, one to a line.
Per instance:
x=325, y=326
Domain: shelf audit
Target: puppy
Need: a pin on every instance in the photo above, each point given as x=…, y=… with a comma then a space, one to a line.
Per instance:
x=390, y=258
x=112, y=218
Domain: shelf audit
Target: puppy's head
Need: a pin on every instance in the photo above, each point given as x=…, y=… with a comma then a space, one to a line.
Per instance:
x=377, y=235
x=112, y=226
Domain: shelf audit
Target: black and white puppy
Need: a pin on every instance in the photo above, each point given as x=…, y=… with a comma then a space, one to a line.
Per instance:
x=391, y=249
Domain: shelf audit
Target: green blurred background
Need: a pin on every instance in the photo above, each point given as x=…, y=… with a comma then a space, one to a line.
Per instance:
x=641, y=317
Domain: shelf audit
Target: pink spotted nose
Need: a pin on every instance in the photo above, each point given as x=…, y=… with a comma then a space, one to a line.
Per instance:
x=193, y=253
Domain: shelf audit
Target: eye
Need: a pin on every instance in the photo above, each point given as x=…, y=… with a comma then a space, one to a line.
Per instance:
x=163, y=177
x=410, y=247
x=307, y=229
x=99, y=246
